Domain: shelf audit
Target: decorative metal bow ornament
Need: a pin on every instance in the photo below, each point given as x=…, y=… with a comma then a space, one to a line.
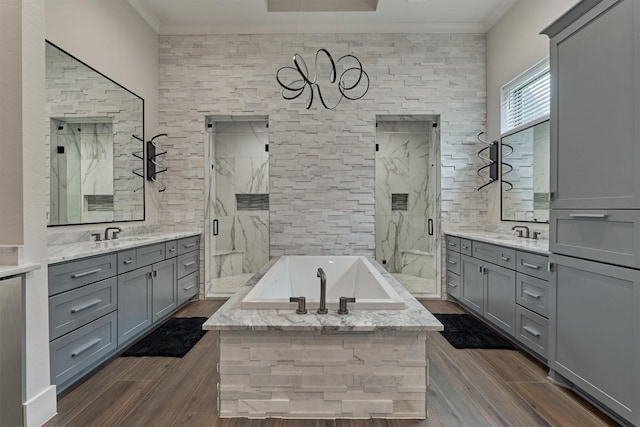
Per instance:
x=355, y=75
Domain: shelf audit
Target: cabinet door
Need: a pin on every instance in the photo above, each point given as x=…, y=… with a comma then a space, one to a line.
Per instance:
x=134, y=303
x=595, y=333
x=500, y=297
x=593, y=121
x=164, y=288
x=472, y=294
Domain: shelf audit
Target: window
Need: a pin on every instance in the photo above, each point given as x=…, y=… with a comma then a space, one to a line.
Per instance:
x=526, y=98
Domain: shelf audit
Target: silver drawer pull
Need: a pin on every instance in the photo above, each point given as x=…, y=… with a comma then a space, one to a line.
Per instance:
x=128, y=261
x=189, y=287
x=532, y=295
x=86, y=273
x=452, y=285
x=188, y=264
x=505, y=258
x=588, y=215
x=86, y=306
x=452, y=262
x=190, y=245
x=465, y=247
x=452, y=244
x=86, y=347
x=172, y=250
x=531, y=331
x=534, y=266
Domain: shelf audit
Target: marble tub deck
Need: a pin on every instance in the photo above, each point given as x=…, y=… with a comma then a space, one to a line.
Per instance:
x=366, y=364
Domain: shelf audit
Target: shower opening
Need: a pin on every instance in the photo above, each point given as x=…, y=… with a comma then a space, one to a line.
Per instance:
x=407, y=178
x=237, y=203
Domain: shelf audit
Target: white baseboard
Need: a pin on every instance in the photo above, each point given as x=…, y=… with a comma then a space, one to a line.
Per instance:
x=41, y=408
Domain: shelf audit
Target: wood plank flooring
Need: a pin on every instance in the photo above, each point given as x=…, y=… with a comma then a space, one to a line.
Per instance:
x=467, y=388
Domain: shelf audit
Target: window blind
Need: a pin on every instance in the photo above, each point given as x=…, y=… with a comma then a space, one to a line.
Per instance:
x=526, y=98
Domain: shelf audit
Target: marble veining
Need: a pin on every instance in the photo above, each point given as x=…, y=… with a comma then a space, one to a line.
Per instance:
x=68, y=252
x=414, y=318
x=540, y=246
x=13, y=270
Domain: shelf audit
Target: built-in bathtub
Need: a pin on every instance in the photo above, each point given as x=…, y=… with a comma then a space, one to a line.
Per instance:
x=347, y=276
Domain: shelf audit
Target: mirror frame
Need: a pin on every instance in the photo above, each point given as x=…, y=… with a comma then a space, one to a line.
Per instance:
x=142, y=144
x=529, y=125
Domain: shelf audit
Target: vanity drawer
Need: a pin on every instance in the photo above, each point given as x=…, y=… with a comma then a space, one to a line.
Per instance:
x=126, y=261
x=170, y=249
x=504, y=257
x=609, y=236
x=188, y=287
x=453, y=262
x=80, y=349
x=453, y=285
x=188, y=263
x=465, y=247
x=150, y=254
x=531, y=331
x=76, y=308
x=73, y=274
x=188, y=244
x=533, y=293
x=453, y=243
x=533, y=265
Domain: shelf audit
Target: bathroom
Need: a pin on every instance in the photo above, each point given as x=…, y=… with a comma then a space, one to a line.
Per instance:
x=322, y=163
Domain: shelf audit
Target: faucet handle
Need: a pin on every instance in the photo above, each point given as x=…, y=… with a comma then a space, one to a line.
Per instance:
x=535, y=235
x=114, y=235
x=96, y=237
x=342, y=309
x=302, y=304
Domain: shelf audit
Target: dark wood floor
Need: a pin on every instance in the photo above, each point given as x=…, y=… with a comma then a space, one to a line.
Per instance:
x=467, y=388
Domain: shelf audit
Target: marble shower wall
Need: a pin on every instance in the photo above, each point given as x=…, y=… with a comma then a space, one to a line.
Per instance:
x=321, y=162
x=404, y=165
x=242, y=167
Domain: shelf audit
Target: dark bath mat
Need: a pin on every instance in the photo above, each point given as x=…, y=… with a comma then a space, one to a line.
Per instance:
x=464, y=331
x=173, y=339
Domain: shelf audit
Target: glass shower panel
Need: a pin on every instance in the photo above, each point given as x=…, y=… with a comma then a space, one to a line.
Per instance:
x=240, y=246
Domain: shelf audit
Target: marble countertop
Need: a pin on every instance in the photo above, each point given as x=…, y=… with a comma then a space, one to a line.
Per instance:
x=414, y=317
x=540, y=246
x=72, y=251
x=13, y=270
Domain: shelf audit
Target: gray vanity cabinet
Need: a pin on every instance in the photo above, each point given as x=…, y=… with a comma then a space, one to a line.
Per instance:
x=596, y=340
x=164, y=288
x=489, y=290
x=135, y=312
x=594, y=103
x=100, y=305
x=472, y=293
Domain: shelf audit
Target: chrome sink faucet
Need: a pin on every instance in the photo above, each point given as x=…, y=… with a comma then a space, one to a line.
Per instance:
x=114, y=236
x=521, y=229
x=323, y=292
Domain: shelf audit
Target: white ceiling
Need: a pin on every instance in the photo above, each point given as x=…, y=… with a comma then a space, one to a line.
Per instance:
x=251, y=17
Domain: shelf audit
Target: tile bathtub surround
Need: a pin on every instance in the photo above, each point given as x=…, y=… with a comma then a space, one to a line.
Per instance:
x=316, y=375
x=321, y=163
x=369, y=363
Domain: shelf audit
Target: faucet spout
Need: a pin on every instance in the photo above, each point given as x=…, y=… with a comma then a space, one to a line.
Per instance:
x=116, y=230
x=323, y=292
x=520, y=229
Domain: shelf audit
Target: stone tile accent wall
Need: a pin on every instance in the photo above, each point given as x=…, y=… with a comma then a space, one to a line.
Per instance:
x=321, y=162
x=315, y=375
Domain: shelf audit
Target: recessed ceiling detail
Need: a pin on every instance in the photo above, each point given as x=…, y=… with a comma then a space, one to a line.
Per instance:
x=322, y=6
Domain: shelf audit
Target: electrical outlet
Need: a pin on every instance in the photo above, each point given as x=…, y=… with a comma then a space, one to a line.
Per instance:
x=190, y=217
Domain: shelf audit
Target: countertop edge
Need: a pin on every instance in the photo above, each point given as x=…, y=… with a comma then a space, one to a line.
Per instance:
x=73, y=251
x=527, y=245
x=14, y=270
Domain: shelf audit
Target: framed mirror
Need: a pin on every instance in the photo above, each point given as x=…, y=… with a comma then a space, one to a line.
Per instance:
x=525, y=174
x=94, y=143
